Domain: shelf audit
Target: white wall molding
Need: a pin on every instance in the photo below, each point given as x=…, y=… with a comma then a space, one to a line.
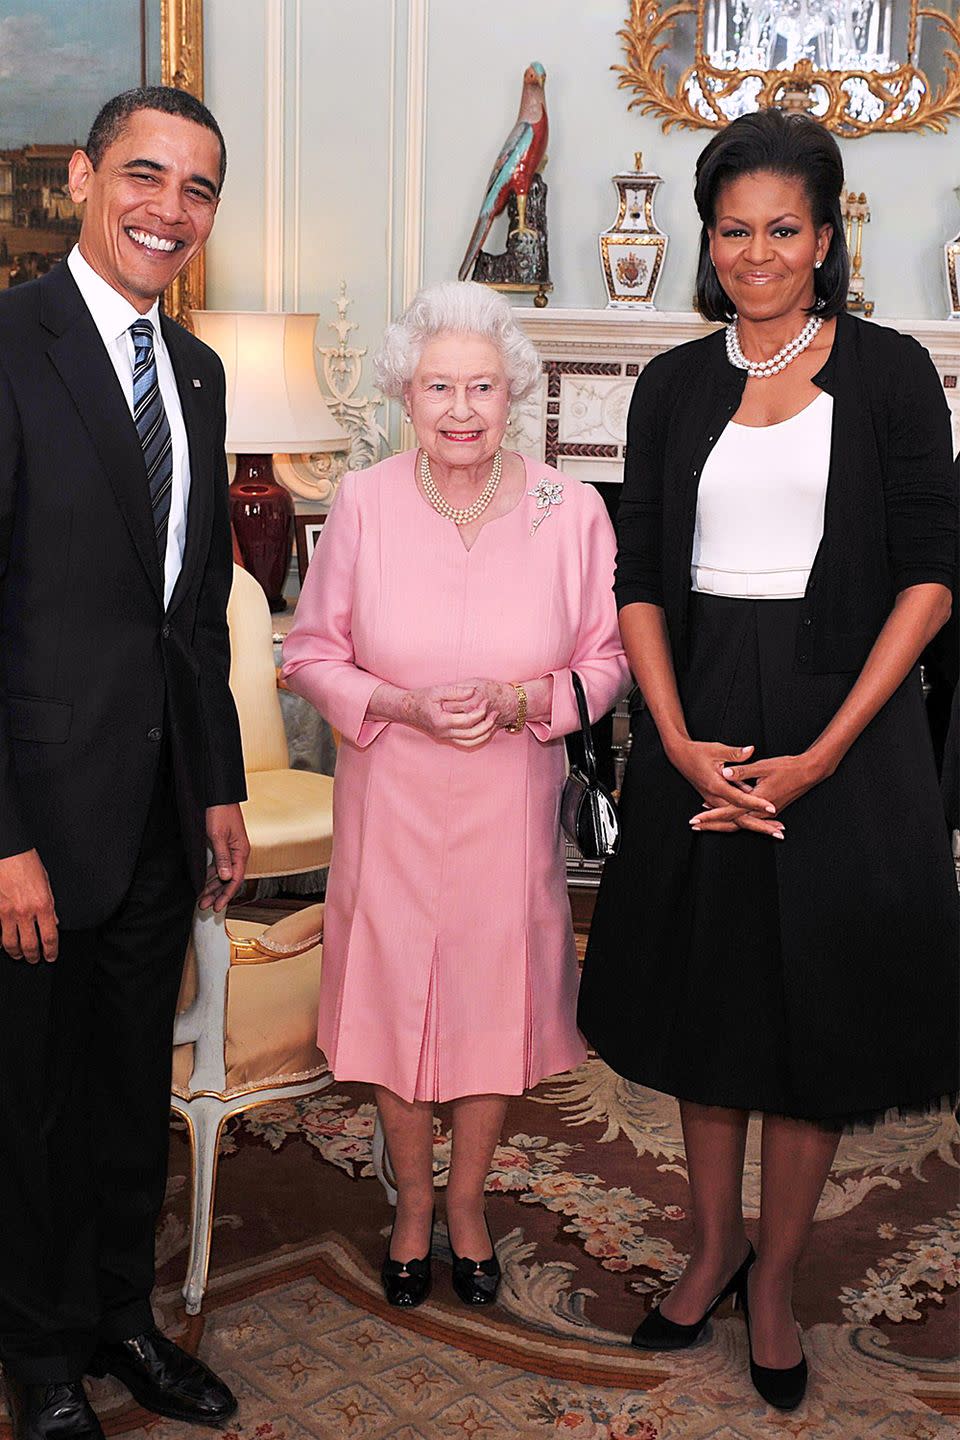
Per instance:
x=392, y=166
x=297, y=150
x=415, y=147
x=274, y=154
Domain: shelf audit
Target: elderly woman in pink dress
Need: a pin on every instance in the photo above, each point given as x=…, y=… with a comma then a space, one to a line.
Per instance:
x=453, y=590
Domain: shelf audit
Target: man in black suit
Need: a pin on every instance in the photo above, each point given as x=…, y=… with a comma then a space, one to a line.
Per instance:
x=120, y=760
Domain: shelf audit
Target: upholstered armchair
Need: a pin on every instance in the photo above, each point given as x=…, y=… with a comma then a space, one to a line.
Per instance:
x=288, y=813
x=246, y=1035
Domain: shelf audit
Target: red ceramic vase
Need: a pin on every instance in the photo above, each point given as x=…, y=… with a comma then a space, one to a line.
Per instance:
x=261, y=512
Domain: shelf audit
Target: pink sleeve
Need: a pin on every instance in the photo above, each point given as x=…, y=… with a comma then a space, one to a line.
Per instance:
x=598, y=656
x=318, y=657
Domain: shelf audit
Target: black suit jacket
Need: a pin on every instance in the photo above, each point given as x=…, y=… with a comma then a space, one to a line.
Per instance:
x=891, y=508
x=93, y=672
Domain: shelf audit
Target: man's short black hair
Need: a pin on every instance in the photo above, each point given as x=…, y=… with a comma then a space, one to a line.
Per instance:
x=113, y=117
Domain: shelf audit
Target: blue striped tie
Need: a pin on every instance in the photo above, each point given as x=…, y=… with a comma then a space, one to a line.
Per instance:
x=154, y=430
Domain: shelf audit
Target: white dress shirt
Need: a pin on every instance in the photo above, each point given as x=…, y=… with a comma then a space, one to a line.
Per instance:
x=760, y=506
x=113, y=316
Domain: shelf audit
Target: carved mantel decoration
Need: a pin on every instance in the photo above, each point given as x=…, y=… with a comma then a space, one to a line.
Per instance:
x=860, y=75
x=181, y=65
x=316, y=477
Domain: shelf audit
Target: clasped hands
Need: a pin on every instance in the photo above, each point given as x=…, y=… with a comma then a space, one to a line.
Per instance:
x=466, y=714
x=739, y=795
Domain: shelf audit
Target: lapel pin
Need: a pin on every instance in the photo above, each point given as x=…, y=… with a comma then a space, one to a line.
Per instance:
x=196, y=384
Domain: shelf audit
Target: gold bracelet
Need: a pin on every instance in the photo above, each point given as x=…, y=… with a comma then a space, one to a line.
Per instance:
x=521, y=719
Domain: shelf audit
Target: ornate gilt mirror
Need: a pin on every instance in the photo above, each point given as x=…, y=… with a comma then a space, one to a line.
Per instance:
x=181, y=64
x=860, y=66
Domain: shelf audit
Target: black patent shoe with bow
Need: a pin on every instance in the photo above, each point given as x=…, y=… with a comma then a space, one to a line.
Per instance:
x=656, y=1332
x=406, y=1283
x=476, y=1282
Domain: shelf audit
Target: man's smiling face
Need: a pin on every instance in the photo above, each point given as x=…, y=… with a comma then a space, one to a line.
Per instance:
x=150, y=203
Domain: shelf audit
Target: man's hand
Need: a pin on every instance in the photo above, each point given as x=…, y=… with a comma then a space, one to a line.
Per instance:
x=227, y=837
x=27, y=909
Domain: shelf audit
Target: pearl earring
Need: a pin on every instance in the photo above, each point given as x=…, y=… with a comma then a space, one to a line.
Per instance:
x=817, y=264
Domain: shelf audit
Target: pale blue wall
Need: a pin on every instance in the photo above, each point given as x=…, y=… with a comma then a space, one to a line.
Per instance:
x=477, y=53
x=234, y=83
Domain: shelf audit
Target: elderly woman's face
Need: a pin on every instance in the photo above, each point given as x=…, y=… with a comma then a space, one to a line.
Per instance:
x=458, y=399
x=764, y=245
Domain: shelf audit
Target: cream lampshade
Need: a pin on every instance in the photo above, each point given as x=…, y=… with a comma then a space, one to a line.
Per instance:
x=274, y=405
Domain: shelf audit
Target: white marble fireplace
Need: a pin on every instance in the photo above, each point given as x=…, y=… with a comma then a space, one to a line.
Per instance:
x=576, y=419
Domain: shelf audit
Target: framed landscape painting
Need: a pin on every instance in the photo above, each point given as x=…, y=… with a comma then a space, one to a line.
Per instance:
x=59, y=62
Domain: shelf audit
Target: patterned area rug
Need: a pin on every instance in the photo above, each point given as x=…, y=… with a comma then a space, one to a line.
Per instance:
x=587, y=1199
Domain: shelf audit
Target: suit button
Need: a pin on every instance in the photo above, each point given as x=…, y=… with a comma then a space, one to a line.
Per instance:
x=165, y=632
x=155, y=734
x=808, y=622
x=803, y=659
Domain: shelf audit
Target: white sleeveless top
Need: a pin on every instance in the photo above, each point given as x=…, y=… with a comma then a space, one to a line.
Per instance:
x=760, y=506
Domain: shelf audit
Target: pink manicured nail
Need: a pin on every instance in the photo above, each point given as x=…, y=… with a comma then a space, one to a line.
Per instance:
x=727, y=773
x=778, y=835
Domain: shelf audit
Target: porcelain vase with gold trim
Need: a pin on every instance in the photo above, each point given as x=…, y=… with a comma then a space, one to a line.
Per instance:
x=633, y=249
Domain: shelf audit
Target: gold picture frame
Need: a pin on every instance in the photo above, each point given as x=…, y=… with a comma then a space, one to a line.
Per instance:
x=181, y=65
x=54, y=86
x=646, y=36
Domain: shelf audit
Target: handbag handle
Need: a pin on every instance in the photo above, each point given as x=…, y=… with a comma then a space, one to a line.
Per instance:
x=589, y=754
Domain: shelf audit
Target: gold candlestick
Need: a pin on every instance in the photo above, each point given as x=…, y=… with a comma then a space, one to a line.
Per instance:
x=856, y=213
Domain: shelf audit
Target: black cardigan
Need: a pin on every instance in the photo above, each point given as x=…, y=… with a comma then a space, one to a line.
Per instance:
x=891, y=507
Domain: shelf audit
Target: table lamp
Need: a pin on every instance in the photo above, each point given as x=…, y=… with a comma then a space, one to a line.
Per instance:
x=274, y=406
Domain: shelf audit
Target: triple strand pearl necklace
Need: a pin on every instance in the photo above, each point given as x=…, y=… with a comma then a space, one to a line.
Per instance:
x=450, y=512
x=763, y=369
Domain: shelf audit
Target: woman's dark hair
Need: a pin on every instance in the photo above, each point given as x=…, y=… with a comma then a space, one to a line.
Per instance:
x=115, y=114
x=793, y=145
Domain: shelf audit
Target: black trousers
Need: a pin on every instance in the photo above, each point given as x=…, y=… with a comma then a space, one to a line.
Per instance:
x=85, y=1060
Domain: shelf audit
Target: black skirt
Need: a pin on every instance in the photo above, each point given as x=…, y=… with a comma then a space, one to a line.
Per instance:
x=815, y=977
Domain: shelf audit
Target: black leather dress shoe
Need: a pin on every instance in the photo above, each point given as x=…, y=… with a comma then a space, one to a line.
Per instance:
x=50, y=1412
x=165, y=1379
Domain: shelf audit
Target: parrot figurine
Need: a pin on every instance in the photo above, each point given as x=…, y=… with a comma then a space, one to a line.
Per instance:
x=519, y=160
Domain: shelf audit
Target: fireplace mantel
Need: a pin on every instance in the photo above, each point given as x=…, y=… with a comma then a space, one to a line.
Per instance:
x=576, y=419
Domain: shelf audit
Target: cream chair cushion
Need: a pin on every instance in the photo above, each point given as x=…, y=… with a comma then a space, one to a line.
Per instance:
x=271, y=1024
x=289, y=820
x=253, y=676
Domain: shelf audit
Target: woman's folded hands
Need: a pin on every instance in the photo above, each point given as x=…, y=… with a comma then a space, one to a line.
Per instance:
x=745, y=796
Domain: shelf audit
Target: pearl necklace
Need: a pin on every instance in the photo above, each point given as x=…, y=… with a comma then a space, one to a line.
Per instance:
x=763, y=369
x=450, y=512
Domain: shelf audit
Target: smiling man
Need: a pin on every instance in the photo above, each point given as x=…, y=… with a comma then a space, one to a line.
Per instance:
x=120, y=760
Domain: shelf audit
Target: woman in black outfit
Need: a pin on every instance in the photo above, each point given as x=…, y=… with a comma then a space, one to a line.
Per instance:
x=778, y=931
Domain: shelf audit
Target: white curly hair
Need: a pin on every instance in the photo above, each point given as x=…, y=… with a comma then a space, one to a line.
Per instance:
x=455, y=307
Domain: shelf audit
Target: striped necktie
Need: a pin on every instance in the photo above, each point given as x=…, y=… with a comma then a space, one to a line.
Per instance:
x=154, y=430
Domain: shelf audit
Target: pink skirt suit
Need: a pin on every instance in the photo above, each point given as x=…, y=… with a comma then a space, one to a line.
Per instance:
x=449, y=966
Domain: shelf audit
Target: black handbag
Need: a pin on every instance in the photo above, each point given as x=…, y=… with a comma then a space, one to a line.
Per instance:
x=588, y=812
